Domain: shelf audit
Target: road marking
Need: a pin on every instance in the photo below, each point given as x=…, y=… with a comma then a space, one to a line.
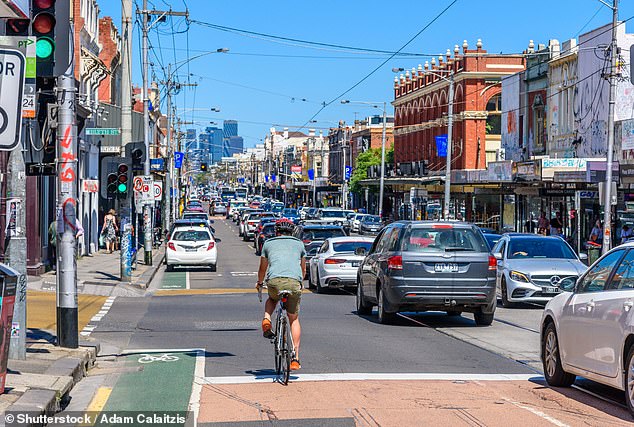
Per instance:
x=165, y=292
x=187, y=285
x=107, y=305
x=99, y=399
x=243, y=273
x=537, y=412
x=197, y=386
x=250, y=379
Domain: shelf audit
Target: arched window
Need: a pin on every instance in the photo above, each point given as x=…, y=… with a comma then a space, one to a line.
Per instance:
x=494, y=119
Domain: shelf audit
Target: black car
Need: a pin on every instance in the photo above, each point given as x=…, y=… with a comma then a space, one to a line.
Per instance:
x=313, y=235
x=428, y=266
x=370, y=224
x=267, y=232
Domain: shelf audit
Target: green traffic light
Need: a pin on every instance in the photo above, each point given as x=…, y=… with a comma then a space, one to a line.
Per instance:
x=122, y=188
x=44, y=47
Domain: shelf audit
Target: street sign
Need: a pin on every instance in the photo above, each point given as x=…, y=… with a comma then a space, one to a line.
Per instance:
x=103, y=131
x=12, y=68
x=137, y=183
x=157, y=164
x=147, y=190
x=178, y=159
x=348, y=172
x=26, y=45
x=158, y=190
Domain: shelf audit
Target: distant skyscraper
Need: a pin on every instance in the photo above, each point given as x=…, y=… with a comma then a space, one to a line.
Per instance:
x=212, y=142
x=232, y=143
x=230, y=128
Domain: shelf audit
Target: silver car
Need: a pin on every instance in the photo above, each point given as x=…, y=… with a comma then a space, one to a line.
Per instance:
x=530, y=267
x=337, y=261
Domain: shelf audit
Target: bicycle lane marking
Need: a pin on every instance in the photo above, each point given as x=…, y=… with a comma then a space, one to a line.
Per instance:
x=165, y=381
x=174, y=280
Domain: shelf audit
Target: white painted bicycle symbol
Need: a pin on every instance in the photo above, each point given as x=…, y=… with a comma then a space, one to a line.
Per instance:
x=149, y=358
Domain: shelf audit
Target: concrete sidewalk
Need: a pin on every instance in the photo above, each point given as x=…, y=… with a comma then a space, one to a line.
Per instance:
x=98, y=274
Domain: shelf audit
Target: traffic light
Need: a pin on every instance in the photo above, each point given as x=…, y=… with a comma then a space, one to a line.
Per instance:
x=116, y=177
x=17, y=27
x=112, y=184
x=123, y=180
x=203, y=167
x=43, y=27
x=136, y=152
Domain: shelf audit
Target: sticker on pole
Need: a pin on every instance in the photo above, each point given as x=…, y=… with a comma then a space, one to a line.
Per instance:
x=12, y=65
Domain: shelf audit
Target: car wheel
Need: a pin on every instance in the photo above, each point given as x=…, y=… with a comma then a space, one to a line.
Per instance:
x=363, y=308
x=505, y=296
x=169, y=267
x=454, y=313
x=483, y=319
x=385, y=317
x=214, y=267
x=245, y=238
x=311, y=285
x=320, y=289
x=551, y=360
x=629, y=380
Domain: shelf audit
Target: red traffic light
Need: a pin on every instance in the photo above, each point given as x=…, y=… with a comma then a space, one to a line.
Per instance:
x=43, y=4
x=123, y=168
x=17, y=27
x=43, y=23
x=112, y=178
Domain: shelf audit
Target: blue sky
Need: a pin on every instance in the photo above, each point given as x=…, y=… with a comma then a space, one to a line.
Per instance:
x=262, y=83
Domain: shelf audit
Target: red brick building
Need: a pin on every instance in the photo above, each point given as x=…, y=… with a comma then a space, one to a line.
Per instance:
x=421, y=104
x=110, y=54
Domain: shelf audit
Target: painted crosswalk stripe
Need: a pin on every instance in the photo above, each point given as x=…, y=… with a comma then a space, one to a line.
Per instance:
x=105, y=308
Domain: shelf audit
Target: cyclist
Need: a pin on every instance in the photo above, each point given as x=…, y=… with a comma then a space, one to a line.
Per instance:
x=283, y=266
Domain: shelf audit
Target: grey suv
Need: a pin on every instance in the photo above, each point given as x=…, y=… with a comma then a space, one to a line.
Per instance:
x=428, y=265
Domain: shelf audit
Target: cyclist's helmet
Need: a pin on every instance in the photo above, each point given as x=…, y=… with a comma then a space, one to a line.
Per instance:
x=284, y=226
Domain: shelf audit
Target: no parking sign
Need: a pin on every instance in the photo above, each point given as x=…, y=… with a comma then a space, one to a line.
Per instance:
x=158, y=190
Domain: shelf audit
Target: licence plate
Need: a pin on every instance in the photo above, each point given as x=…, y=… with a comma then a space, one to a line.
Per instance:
x=550, y=290
x=191, y=250
x=446, y=267
x=355, y=263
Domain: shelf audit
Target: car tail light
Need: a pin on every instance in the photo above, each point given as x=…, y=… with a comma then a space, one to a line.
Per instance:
x=306, y=240
x=437, y=226
x=171, y=246
x=334, y=261
x=211, y=246
x=395, y=262
x=493, y=263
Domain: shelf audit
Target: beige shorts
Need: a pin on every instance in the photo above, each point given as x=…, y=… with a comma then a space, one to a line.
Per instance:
x=278, y=284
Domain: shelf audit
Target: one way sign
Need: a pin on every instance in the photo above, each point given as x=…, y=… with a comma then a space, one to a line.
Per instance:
x=12, y=67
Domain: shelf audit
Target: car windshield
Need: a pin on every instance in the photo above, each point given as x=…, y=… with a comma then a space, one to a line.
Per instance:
x=321, y=234
x=436, y=239
x=350, y=246
x=292, y=212
x=492, y=239
x=196, y=216
x=278, y=207
x=539, y=248
x=191, y=235
x=332, y=214
x=371, y=218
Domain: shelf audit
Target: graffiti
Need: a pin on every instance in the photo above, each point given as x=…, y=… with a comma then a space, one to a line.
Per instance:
x=68, y=213
x=22, y=288
x=68, y=158
x=126, y=249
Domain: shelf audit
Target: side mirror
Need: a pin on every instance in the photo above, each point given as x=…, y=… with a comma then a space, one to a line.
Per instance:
x=360, y=251
x=497, y=255
x=583, y=257
x=567, y=284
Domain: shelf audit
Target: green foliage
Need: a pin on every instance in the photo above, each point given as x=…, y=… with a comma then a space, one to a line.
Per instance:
x=372, y=157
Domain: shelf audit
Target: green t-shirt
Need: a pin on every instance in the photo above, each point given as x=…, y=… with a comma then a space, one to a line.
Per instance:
x=284, y=254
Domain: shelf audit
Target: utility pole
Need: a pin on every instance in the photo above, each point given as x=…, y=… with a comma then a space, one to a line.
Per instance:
x=607, y=204
x=314, y=172
x=125, y=257
x=147, y=219
x=67, y=325
x=382, y=181
x=343, y=172
x=449, y=148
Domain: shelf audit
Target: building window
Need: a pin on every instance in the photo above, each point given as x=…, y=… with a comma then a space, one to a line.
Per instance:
x=494, y=118
x=539, y=126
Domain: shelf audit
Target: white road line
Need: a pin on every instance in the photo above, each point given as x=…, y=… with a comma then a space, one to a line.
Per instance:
x=107, y=305
x=539, y=413
x=187, y=285
x=197, y=386
x=249, y=379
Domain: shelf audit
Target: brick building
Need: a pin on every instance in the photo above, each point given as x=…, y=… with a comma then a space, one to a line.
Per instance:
x=110, y=55
x=421, y=104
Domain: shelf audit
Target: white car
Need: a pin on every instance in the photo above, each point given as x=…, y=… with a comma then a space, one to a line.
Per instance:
x=194, y=246
x=356, y=222
x=337, y=261
x=588, y=330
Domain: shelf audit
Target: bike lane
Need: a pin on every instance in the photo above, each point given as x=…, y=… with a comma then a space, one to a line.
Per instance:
x=174, y=280
x=157, y=380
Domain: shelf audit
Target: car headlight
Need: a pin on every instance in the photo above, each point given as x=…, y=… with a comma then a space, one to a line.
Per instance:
x=519, y=277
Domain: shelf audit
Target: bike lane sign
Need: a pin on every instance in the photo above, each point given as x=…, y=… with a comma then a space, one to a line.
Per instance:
x=12, y=68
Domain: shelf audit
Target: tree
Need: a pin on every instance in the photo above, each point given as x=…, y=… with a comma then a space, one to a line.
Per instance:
x=371, y=157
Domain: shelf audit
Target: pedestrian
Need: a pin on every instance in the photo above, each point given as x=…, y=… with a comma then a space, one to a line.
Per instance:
x=52, y=243
x=110, y=230
x=596, y=235
x=626, y=233
x=543, y=224
x=556, y=225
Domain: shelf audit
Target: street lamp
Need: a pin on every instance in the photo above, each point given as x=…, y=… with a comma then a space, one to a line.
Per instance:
x=450, y=80
x=382, y=181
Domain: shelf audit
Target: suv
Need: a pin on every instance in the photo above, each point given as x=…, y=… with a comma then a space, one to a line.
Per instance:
x=428, y=265
x=314, y=235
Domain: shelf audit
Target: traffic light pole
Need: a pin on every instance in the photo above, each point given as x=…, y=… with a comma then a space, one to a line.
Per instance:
x=67, y=327
x=125, y=257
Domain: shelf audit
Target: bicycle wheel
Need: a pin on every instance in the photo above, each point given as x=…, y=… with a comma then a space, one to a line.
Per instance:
x=286, y=350
x=277, y=342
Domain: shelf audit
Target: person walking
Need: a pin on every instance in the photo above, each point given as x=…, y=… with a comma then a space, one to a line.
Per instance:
x=596, y=235
x=543, y=224
x=110, y=230
x=626, y=233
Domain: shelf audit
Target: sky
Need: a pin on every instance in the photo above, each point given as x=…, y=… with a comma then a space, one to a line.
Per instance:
x=264, y=82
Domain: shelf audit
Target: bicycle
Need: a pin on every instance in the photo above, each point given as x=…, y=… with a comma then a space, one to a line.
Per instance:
x=282, y=339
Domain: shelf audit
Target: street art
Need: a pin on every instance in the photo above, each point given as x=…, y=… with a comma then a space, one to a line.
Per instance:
x=510, y=123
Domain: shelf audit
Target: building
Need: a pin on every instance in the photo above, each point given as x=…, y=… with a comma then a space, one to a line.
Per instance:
x=232, y=142
x=339, y=160
x=212, y=141
x=368, y=133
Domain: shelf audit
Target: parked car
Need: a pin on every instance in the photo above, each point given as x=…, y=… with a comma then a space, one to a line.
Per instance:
x=336, y=262
x=313, y=235
x=356, y=222
x=428, y=265
x=266, y=232
x=588, y=329
x=370, y=224
x=191, y=245
x=530, y=267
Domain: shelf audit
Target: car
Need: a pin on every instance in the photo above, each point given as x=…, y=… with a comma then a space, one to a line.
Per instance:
x=530, y=267
x=266, y=232
x=219, y=208
x=491, y=238
x=191, y=222
x=370, y=224
x=336, y=262
x=425, y=266
x=233, y=205
x=291, y=214
x=313, y=235
x=265, y=220
x=302, y=212
x=198, y=216
x=356, y=222
x=255, y=204
x=311, y=213
x=194, y=208
x=588, y=328
x=251, y=223
x=243, y=217
x=277, y=208
x=191, y=245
